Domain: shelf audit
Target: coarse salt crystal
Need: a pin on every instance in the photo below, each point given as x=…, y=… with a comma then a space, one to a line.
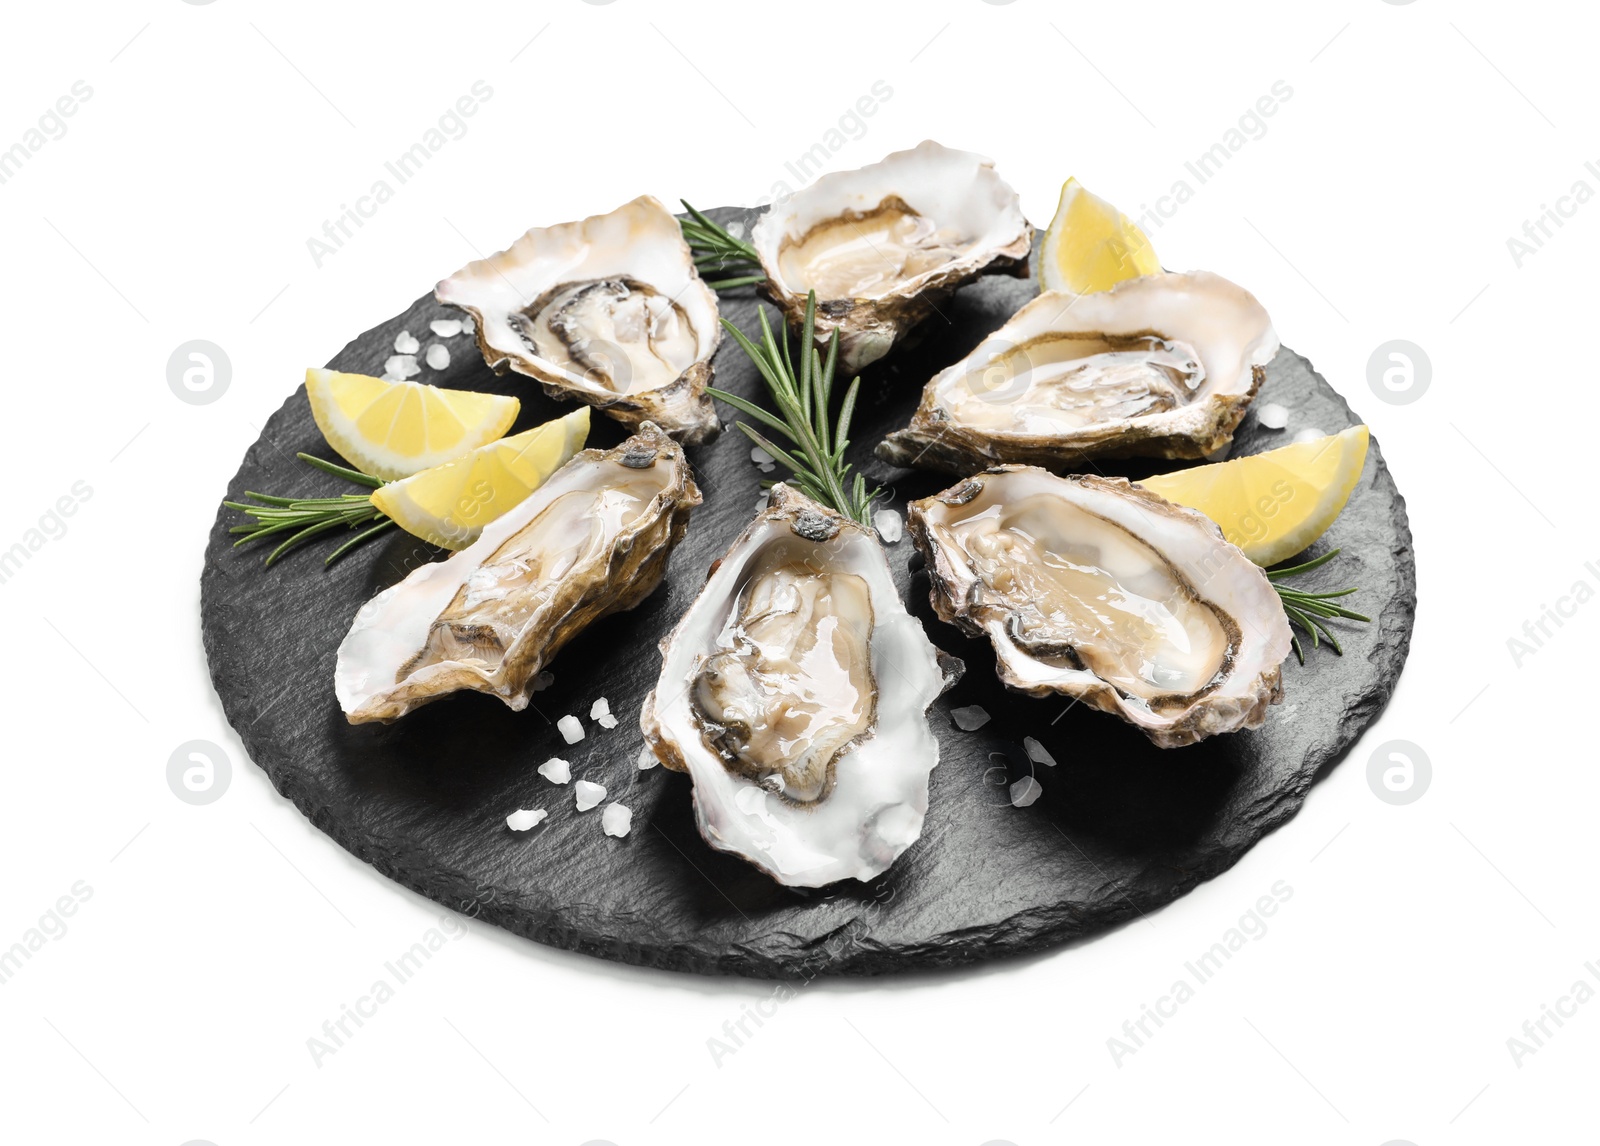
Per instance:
x=599, y=708
x=616, y=820
x=970, y=718
x=466, y=326
x=888, y=524
x=1273, y=416
x=405, y=344
x=589, y=795
x=1309, y=434
x=571, y=729
x=401, y=365
x=607, y=721
x=1037, y=752
x=647, y=758
x=761, y=457
x=445, y=327
x=437, y=357
x=556, y=770
x=524, y=818
x=1025, y=791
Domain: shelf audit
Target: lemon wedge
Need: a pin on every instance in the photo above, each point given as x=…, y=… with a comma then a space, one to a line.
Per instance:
x=1091, y=246
x=449, y=505
x=1273, y=505
x=392, y=430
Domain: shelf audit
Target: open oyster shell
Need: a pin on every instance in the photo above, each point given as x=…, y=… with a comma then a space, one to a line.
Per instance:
x=1098, y=589
x=591, y=540
x=1159, y=366
x=608, y=310
x=795, y=693
x=883, y=245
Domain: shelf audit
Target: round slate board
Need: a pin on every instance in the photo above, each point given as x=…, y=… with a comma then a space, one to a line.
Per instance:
x=1121, y=828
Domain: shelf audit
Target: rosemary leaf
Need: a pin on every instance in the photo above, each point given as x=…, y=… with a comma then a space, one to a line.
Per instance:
x=803, y=401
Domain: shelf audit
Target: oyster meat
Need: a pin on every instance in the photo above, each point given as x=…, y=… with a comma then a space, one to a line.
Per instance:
x=794, y=692
x=1100, y=590
x=608, y=310
x=1159, y=366
x=883, y=245
x=592, y=540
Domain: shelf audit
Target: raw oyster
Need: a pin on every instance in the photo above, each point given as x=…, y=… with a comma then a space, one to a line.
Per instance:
x=608, y=310
x=1100, y=590
x=591, y=540
x=794, y=692
x=1159, y=366
x=883, y=245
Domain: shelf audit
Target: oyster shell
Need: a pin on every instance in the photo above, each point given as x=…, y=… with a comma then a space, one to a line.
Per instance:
x=1159, y=366
x=1098, y=589
x=608, y=310
x=794, y=692
x=592, y=540
x=884, y=244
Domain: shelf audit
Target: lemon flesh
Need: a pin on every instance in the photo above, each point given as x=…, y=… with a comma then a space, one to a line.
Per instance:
x=392, y=430
x=1091, y=246
x=449, y=505
x=1273, y=505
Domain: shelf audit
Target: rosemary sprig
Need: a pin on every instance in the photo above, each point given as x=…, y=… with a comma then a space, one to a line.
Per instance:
x=818, y=446
x=1311, y=610
x=306, y=517
x=716, y=250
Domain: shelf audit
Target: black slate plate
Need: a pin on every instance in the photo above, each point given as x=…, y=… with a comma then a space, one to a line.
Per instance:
x=1121, y=828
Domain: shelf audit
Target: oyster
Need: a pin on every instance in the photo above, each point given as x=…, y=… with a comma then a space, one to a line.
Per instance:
x=592, y=540
x=608, y=310
x=1159, y=366
x=1100, y=590
x=883, y=245
x=794, y=692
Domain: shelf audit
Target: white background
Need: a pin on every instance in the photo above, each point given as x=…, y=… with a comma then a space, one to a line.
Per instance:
x=1378, y=205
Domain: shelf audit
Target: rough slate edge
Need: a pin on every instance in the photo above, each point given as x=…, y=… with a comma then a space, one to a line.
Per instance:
x=1028, y=931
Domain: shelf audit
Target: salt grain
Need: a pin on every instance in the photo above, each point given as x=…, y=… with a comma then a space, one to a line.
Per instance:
x=647, y=759
x=589, y=795
x=616, y=820
x=445, y=327
x=437, y=357
x=1273, y=416
x=405, y=344
x=466, y=326
x=571, y=729
x=888, y=524
x=1309, y=434
x=556, y=770
x=735, y=228
x=761, y=457
x=607, y=721
x=524, y=818
x=1025, y=791
x=543, y=681
x=599, y=708
x=969, y=719
x=402, y=365
x=1037, y=752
